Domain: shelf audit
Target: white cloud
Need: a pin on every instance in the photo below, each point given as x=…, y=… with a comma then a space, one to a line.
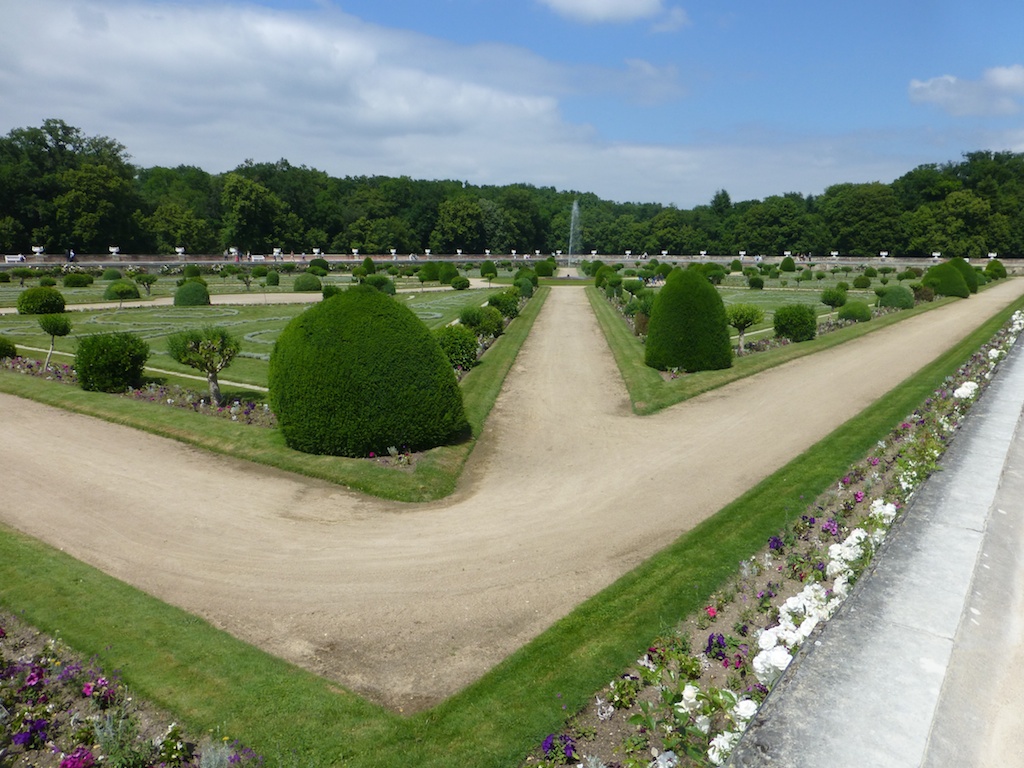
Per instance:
x=600, y=11
x=1000, y=91
x=674, y=20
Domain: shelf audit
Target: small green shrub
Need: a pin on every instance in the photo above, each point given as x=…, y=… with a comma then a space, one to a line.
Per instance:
x=110, y=362
x=260, y=270
x=119, y=290
x=525, y=287
x=381, y=282
x=47, y=281
x=192, y=293
x=111, y=274
x=506, y=302
x=861, y=282
x=922, y=292
x=191, y=270
x=544, y=268
x=40, y=300
x=528, y=273
x=855, y=310
x=320, y=263
x=870, y=272
x=471, y=317
x=459, y=345
x=307, y=282
x=833, y=297
x=492, y=322
x=756, y=283
x=796, y=322
x=7, y=348
x=460, y=283
x=331, y=290
x=5, y=277
x=77, y=280
x=286, y=266
x=318, y=271
x=369, y=265
x=447, y=272
x=273, y=277
x=787, y=264
x=898, y=296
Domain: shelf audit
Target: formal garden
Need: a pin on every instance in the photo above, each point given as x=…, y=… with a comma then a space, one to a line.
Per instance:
x=687, y=668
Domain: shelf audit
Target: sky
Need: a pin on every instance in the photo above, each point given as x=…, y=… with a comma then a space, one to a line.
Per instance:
x=657, y=101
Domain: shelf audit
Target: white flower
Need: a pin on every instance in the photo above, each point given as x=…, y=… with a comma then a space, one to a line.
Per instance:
x=744, y=710
x=994, y=354
x=966, y=390
x=702, y=723
x=768, y=639
x=665, y=760
x=770, y=664
x=721, y=746
x=689, y=701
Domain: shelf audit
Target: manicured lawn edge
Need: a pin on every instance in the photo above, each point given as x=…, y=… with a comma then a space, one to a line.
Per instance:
x=436, y=472
x=650, y=393
x=211, y=680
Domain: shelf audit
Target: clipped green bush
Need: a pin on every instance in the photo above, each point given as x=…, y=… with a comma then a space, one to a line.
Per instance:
x=862, y=282
x=318, y=271
x=307, y=282
x=687, y=327
x=544, y=268
x=946, y=280
x=331, y=290
x=898, y=296
x=529, y=274
x=7, y=348
x=492, y=322
x=273, y=277
x=995, y=270
x=459, y=345
x=506, y=302
x=110, y=273
x=359, y=373
x=320, y=263
x=77, y=280
x=796, y=322
x=191, y=270
x=855, y=310
x=756, y=283
x=870, y=272
x=47, y=281
x=447, y=272
x=119, y=290
x=380, y=282
x=787, y=264
x=192, y=293
x=110, y=362
x=5, y=277
x=369, y=265
x=967, y=272
x=833, y=297
x=41, y=300
x=471, y=317
x=460, y=283
x=525, y=287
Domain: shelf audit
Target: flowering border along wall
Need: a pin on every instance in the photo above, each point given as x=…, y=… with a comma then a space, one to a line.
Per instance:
x=681, y=706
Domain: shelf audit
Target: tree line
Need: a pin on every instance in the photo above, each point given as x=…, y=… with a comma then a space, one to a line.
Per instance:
x=63, y=190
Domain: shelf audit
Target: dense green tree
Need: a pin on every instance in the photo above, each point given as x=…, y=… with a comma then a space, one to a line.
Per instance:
x=460, y=225
x=252, y=214
x=688, y=328
x=862, y=219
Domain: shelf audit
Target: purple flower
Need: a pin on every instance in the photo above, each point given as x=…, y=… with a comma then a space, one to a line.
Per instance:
x=548, y=744
x=774, y=543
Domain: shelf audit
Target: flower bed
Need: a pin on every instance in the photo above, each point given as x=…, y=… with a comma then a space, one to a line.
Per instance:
x=57, y=711
x=687, y=701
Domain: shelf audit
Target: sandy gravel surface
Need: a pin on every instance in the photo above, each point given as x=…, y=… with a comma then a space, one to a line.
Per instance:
x=406, y=604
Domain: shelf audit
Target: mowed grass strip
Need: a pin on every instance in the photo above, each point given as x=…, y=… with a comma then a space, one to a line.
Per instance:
x=210, y=681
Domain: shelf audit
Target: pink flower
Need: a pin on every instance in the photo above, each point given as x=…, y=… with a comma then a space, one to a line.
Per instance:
x=711, y=612
x=859, y=496
x=87, y=689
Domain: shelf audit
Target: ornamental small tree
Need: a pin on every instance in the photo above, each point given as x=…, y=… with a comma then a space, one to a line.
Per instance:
x=23, y=274
x=54, y=326
x=833, y=297
x=488, y=271
x=40, y=301
x=369, y=266
x=119, y=290
x=146, y=280
x=209, y=350
x=688, y=328
x=359, y=373
x=741, y=317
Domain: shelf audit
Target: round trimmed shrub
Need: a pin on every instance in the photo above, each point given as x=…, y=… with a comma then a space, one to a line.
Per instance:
x=359, y=373
x=796, y=322
x=380, y=282
x=995, y=270
x=787, y=264
x=5, y=277
x=40, y=300
x=545, y=268
x=119, y=290
x=459, y=345
x=870, y=272
x=833, y=297
x=460, y=283
x=307, y=282
x=688, y=327
x=898, y=296
x=369, y=265
x=192, y=293
x=77, y=280
x=7, y=348
x=492, y=322
x=318, y=271
x=273, y=277
x=530, y=274
x=946, y=280
x=320, y=263
x=447, y=272
x=331, y=290
x=855, y=310
x=506, y=302
x=111, y=274
x=862, y=282
x=756, y=283
x=47, y=281
x=967, y=271
x=191, y=270
x=525, y=287
x=110, y=362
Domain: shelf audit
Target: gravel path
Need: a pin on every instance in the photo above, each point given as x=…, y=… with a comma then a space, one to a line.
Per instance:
x=406, y=604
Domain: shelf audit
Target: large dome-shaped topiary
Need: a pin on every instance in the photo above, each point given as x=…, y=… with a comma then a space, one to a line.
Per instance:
x=192, y=293
x=358, y=373
x=967, y=272
x=40, y=301
x=946, y=280
x=688, y=327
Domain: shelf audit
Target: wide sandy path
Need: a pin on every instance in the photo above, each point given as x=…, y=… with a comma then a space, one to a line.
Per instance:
x=566, y=491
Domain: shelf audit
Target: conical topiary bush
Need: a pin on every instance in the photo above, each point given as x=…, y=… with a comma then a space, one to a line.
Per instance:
x=688, y=327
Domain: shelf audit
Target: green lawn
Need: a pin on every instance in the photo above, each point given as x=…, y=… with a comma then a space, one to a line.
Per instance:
x=211, y=681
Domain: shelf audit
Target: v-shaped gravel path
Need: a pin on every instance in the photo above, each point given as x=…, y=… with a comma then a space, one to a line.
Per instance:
x=406, y=604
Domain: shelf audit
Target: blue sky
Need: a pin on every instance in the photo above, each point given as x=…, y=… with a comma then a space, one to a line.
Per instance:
x=634, y=100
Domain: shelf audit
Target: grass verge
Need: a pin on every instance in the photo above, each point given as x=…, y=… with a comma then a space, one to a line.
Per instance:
x=210, y=680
